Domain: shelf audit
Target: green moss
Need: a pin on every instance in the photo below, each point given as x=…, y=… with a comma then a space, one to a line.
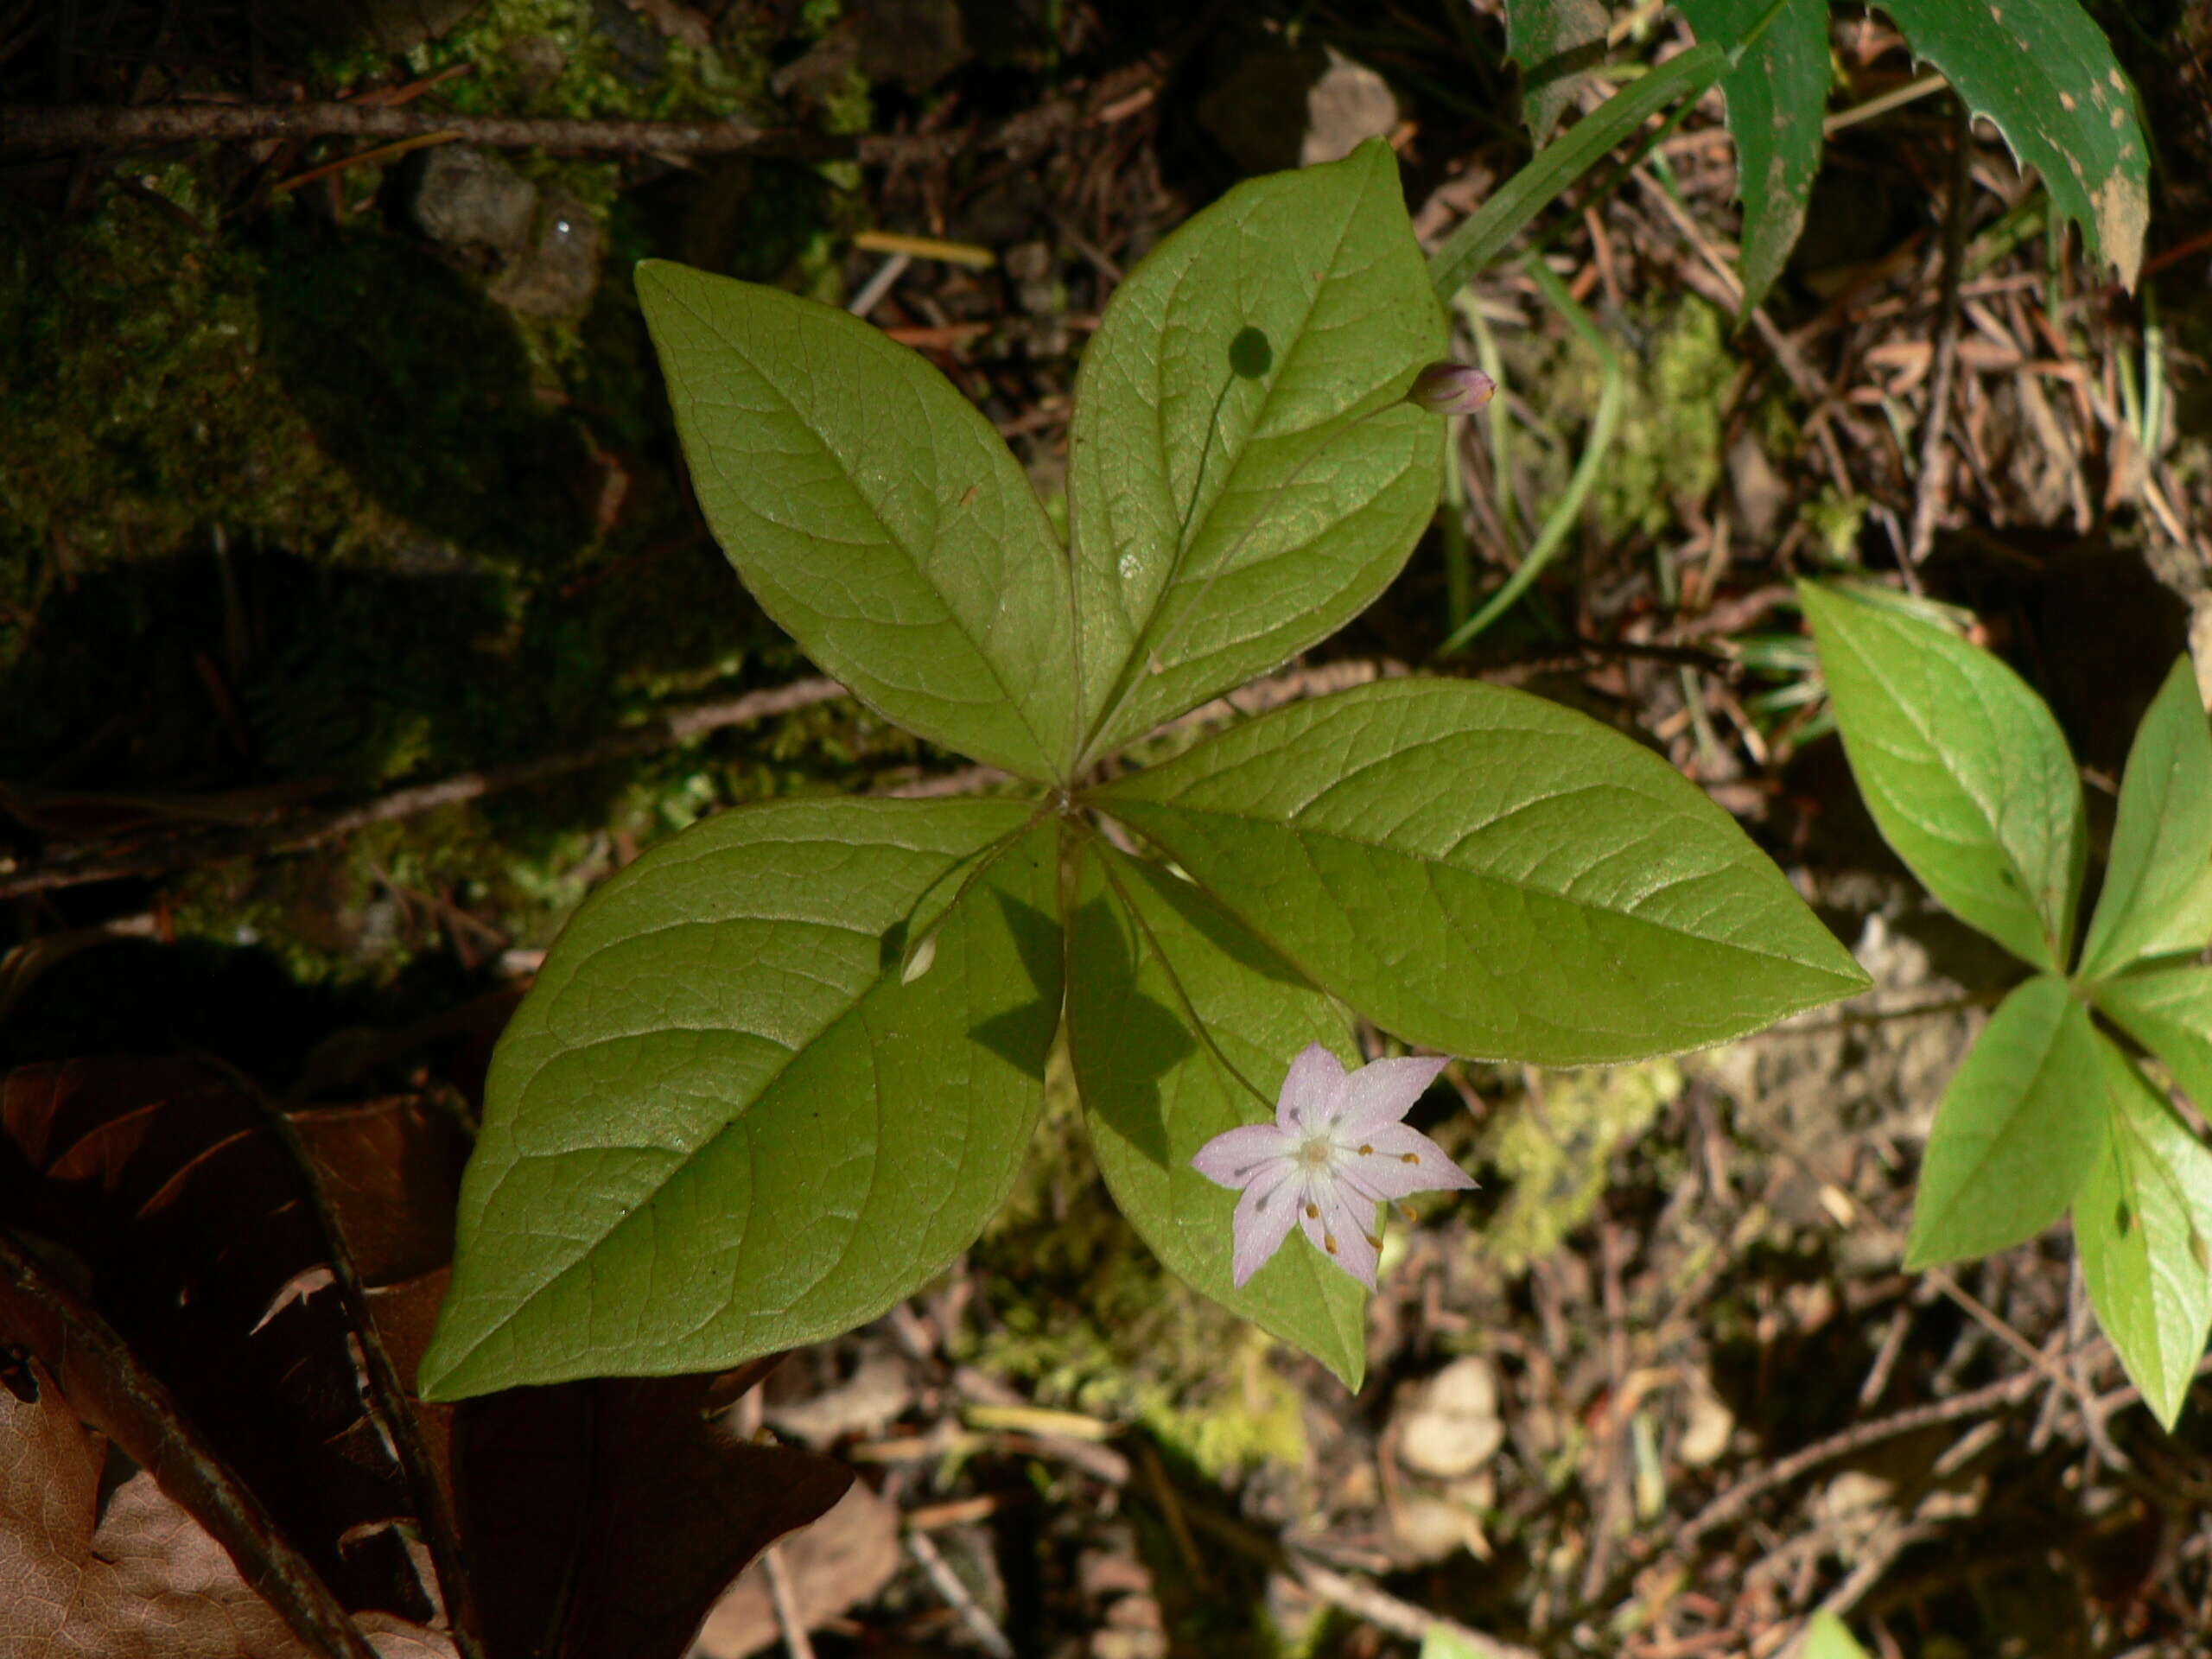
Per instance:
x=335, y=511
x=615, y=66
x=1554, y=1150
x=136, y=408
x=1668, y=444
x=1669, y=447
x=1837, y=521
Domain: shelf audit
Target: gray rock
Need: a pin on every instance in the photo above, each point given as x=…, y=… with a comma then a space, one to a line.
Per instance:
x=1258, y=114
x=918, y=43
x=1451, y=1427
x=402, y=25
x=1285, y=106
x=1347, y=106
x=470, y=201
x=558, y=273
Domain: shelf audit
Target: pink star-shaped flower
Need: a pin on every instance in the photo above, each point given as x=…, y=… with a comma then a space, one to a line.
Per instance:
x=1335, y=1149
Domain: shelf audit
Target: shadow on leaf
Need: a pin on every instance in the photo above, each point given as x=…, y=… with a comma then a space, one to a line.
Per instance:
x=1023, y=1036
x=1148, y=1040
x=1220, y=929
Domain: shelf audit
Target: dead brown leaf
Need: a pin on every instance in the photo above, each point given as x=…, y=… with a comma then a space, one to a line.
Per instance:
x=209, y=1310
x=133, y=1578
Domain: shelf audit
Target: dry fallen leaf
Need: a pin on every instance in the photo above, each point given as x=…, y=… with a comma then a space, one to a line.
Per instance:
x=254, y=1334
x=133, y=1578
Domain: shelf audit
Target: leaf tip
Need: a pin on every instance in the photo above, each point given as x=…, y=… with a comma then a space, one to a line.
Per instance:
x=447, y=1372
x=1920, y=1253
x=1352, y=1372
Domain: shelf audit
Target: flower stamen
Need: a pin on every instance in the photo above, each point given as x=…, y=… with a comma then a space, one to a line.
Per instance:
x=1328, y=1124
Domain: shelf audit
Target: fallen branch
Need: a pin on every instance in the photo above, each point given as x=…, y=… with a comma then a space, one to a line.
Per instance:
x=181, y=852
x=111, y=126
x=99, y=861
x=1994, y=1396
x=1386, y=1612
x=982, y=1628
x=105, y=1383
x=1931, y=488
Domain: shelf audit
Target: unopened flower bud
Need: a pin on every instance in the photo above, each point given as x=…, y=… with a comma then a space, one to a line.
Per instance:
x=1449, y=388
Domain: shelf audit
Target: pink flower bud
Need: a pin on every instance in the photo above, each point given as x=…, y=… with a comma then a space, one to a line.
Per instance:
x=1449, y=388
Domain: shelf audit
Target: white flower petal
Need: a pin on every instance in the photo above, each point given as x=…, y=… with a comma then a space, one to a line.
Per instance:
x=1313, y=1092
x=1263, y=1221
x=1383, y=1092
x=1236, y=1156
x=1391, y=1161
x=1340, y=1225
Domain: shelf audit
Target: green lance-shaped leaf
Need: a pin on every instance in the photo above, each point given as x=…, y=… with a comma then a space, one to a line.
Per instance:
x=1240, y=482
x=874, y=512
x=2169, y=1011
x=1149, y=956
x=1777, y=97
x=723, y=1123
x=1555, y=42
x=2015, y=1133
x=1489, y=874
x=1965, y=771
x=1484, y=234
x=2143, y=1224
x=2158, y=894
x=2045, y=74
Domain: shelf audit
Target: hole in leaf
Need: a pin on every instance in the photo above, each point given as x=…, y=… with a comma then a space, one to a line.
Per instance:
x=1250, y=356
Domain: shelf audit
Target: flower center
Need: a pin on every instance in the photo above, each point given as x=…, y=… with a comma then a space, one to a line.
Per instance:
x=1316, y=1153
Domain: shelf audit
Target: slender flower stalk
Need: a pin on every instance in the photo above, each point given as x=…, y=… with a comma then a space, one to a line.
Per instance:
x=1335, y=1150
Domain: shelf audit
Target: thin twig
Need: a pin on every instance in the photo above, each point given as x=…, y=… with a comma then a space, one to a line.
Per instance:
x=1386, y=1612
x=1613, y=1516
x=135, y=1408
x=1733, y=1502
x=79, y=865
x=386, y=1395
x=1791, y=361
x=181, y=852
x=981, y=1624
x=1875, y=1557
x=1993, y=1396
x=1171, y=1508
x=1853, y=1020
x=1931, y=489
x=107, y=126
x=797, y=1642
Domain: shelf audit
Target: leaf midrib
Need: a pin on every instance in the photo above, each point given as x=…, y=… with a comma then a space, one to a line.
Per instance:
x=1433, y=864
x=685, y=1159
x=1345, y=1338
x=1140, y=637
x=1972, y=1182
x=1007, y=693
x=1989, y=821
